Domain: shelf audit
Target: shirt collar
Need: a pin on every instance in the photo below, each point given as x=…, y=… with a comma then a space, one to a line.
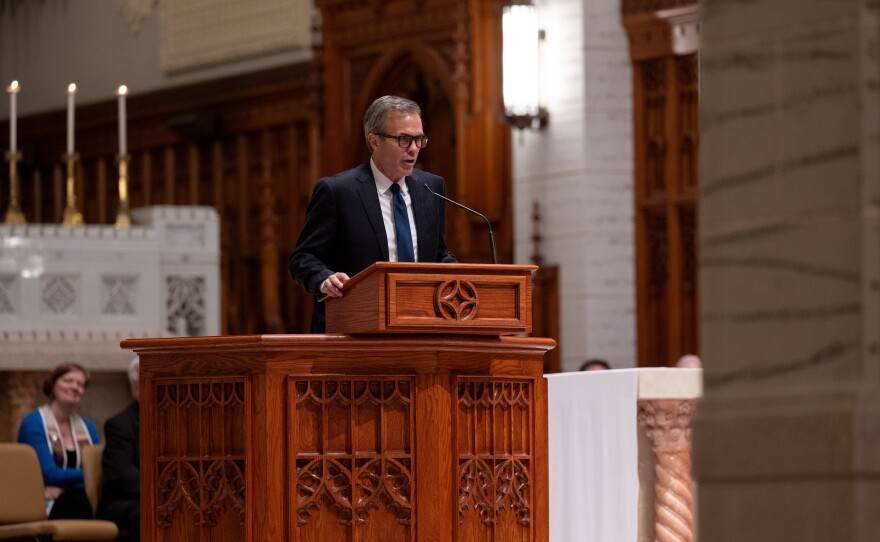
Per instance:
x=383, y=183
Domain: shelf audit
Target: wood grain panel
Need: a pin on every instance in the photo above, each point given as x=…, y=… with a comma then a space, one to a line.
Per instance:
x=376, y=439
x=345, y=479
x=663, y=48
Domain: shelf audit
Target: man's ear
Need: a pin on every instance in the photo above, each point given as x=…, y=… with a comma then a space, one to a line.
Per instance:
x=372, y=142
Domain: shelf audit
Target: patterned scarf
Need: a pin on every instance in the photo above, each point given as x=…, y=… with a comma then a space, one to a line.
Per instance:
x=81, y=436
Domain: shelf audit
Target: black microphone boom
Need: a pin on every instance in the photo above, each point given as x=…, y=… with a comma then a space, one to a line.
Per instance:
x=481, y=215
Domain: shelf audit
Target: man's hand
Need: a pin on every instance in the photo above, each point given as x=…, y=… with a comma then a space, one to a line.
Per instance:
x=332, y=285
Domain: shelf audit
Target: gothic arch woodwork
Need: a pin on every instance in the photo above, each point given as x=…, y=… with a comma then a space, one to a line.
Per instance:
x=451, y=51
x=423, y=78
x=664, y=43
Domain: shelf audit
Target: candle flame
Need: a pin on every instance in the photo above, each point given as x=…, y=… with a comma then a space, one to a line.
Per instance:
x=13, y=87
x=71, y=88
x=122, y=91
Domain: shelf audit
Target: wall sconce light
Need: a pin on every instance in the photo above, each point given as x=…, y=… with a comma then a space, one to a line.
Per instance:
x=521, y=65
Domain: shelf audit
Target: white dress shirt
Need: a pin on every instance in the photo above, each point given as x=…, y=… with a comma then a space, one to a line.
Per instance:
x=383, y=187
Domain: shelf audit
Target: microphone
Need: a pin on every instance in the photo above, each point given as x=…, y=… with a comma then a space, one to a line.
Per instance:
x=481, y=215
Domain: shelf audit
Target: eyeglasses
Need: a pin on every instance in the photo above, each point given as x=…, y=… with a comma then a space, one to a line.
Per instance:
x=405, y=140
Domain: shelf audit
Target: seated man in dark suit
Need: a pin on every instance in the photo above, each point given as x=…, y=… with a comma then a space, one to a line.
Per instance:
x=120, y=498
x=379, y=211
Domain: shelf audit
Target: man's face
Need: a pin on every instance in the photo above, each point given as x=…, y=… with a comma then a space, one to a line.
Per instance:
x=392, y=160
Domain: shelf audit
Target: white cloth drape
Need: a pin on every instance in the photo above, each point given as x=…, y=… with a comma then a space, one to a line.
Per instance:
x=594, y=482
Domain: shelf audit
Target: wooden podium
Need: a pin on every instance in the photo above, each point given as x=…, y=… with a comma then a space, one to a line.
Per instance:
x=416, y=419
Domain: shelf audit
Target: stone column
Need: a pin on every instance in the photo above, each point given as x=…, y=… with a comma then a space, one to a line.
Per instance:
x=667, y=423
x=786, y=442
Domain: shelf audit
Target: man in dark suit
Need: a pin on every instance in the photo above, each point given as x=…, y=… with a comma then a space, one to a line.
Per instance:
x=120, y=497
x=379, y=211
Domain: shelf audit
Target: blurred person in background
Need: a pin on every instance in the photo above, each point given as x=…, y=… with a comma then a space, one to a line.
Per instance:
x=58, y=434
x=121, y=495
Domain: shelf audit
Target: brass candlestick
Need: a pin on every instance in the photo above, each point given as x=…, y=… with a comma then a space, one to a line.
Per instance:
x=123, y=218
x=14, y=216
x=72, y=216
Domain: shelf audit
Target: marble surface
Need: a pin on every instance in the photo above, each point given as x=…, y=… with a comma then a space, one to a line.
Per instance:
x=786, y=436
x=670, y=383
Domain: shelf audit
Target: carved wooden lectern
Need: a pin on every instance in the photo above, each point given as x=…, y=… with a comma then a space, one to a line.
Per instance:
x=415, y=419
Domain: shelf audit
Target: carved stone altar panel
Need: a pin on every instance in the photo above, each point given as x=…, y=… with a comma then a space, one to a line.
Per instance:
x=185, y=305
x=9, y=294
x=495, y=447
x=119, y=295
x=159, y=277
x=61, y=295
x=351, y=443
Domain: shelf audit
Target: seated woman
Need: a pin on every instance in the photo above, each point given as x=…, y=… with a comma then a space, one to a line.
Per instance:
x=57, y=433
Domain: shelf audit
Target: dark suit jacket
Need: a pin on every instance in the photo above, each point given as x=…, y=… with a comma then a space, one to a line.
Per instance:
x=344, y=230
x=122, y=455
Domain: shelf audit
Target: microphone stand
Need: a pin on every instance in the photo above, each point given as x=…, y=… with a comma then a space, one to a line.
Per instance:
x=481, y=215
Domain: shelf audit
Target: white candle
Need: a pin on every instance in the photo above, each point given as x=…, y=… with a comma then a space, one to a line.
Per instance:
x=12, y=89
x=121, y=92
x=71, y=92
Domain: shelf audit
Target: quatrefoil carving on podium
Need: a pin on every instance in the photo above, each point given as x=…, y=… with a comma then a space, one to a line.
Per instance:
x=456, y=300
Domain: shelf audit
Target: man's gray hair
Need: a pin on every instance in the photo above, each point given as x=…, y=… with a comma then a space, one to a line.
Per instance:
x=374, y=118
x=134, y=370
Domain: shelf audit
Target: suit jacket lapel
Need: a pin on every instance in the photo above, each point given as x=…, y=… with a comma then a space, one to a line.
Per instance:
x=366, y=187
x=417, y=194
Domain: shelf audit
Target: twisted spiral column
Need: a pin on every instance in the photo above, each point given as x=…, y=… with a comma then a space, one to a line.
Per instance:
x=667, y=423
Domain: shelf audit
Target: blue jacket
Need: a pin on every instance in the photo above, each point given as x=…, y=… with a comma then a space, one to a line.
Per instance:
x=32, y=433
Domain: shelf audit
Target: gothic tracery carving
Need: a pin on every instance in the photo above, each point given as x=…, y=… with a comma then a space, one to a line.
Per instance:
x=185, y=305
x=207, y=483
x=370, y=474
x=494, y=476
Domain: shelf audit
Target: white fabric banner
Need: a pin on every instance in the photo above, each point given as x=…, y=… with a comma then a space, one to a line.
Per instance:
x=594, y=479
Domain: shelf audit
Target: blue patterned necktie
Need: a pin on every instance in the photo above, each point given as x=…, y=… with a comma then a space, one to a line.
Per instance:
x=401, y=227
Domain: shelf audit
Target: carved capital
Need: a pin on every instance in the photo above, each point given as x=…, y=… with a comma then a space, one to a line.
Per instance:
x=667, y=423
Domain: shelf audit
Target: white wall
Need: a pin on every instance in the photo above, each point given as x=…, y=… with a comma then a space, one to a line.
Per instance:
x=580, y=171
x=46, y=45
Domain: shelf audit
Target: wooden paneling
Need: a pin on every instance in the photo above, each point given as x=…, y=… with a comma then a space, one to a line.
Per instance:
x=663, y=48
x=344, y=438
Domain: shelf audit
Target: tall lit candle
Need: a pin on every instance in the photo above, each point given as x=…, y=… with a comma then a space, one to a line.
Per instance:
x=12, y=89
x=71, y=92
x=121, y=92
